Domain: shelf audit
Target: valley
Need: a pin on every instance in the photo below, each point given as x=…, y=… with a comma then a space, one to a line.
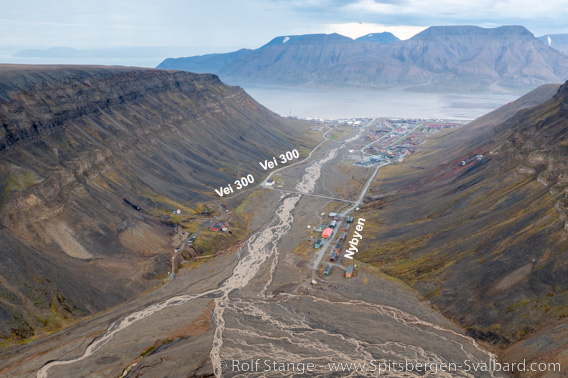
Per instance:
x=260, y=303
x=357, y=188
x=328, y=247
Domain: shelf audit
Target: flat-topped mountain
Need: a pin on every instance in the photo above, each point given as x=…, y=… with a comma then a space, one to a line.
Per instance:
x=91, y=161
x=440, y=58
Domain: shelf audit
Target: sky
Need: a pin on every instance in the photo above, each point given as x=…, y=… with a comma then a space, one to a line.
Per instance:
x=193, y=27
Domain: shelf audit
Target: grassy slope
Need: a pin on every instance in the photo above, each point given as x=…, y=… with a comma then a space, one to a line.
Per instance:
x=465, y=237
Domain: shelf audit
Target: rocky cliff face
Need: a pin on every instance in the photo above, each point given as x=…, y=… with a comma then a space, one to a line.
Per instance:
x=485, y=242
x=75, y=143
x=442, y=58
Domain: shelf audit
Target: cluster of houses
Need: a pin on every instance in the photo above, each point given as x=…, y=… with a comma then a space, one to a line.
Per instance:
x=327, y=232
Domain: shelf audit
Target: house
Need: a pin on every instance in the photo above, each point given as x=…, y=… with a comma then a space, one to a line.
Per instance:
x=327, y=233
x=349, y=272
x=333, y=256
x=318, y=244
x=327, y=270
x=218, y=227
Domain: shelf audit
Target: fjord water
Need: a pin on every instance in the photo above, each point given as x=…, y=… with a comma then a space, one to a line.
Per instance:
x=337, y=103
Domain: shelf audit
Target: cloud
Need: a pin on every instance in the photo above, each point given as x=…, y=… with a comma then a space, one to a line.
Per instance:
x=224, y=25
x=452, y=11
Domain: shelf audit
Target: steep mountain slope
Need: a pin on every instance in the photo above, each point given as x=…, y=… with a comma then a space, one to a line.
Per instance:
x=494, y=118
x=556, y=41
x=482, y=59
x=91, y=159
x=441, y=58
x=485, y=242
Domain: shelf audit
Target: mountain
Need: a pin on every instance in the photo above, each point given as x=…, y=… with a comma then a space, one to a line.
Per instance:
x=557, y=41
x=441, y=58
x=384, y=37
x=282, y=54
x=485, y=242
x=204, y=63
x=92, y=161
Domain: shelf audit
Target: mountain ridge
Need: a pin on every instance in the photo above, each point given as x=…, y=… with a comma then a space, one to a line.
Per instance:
x=439, y=59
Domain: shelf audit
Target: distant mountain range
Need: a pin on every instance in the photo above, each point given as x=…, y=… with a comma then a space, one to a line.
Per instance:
x=441, y=58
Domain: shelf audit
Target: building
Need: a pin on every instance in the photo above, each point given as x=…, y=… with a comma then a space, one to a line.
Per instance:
x=327, y=270
x=218, y=227
x=350, y=219
x=327, y=233
x=333, y=256
x=349, y=271
x=332, y=224
x=337, y=248
x=318, y=244
x=269, y=183
x=343, y=236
